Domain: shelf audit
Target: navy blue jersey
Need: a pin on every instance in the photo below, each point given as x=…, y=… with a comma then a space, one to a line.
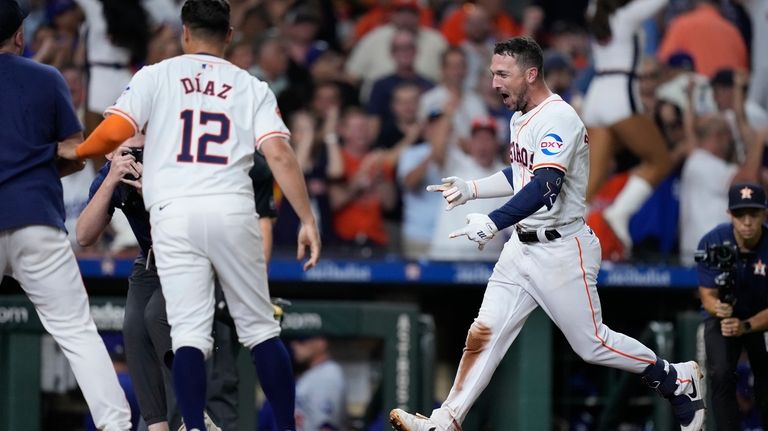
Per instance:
x=751, y=289
x=35, y=114
x=131, y=204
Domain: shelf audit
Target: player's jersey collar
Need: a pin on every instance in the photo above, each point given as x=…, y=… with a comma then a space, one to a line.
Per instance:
x=552, y=97
x=206, y=57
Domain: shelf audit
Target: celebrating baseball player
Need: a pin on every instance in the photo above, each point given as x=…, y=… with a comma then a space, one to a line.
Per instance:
x=35, y=113
x=203, y=116
x=547, y=181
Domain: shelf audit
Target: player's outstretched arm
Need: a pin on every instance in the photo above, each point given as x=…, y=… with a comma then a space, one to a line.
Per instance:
x=289, y=177
x=112, y=132
x=457, y=191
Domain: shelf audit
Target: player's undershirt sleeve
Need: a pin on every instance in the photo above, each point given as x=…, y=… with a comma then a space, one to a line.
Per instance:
x=267, y=121
x=112, y=132
x=541, y=191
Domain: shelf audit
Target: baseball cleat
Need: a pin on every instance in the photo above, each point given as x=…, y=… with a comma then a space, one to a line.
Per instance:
x=209, y=425
x=404, y=421
x=688, y=405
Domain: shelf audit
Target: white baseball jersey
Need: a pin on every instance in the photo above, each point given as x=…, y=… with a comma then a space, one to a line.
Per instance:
x=203, y=115
x=551, y=136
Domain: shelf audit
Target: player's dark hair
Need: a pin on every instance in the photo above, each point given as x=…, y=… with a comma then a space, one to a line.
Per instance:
x=599, y=23
x=208, y=19
x=524, y=50
x=128, y=27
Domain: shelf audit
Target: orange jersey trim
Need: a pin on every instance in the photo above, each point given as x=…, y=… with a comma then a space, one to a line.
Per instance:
x=550, y=165
x=594, y=320
x=265, y=136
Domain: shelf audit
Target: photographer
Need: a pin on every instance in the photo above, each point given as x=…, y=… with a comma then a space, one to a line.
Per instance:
x=145, y=326
x=734, y=291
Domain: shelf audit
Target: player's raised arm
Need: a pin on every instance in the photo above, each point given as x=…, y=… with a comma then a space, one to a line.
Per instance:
x=106, y=138
x=285, y=168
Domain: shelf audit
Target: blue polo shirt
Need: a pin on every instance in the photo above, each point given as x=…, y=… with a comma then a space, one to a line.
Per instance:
x=131, y=204
x=35, y=114
x=751, y=289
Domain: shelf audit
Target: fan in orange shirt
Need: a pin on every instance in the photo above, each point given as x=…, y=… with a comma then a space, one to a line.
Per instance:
x=503, y=24
x=379, y=15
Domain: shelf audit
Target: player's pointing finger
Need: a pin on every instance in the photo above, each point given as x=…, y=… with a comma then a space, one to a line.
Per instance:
x=458, y=233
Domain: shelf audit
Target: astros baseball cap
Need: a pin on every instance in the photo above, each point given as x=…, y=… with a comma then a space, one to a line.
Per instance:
x=11, y=18
x=746, y=195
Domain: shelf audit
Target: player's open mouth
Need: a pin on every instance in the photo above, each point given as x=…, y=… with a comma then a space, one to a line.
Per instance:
x=504, y=97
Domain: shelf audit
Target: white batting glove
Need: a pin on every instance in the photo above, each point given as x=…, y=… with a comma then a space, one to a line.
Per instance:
x=480, y=229
x=455, y=191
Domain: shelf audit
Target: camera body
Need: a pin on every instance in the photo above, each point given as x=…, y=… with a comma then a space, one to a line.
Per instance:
x=722, y=257
x=129, y=195
x=138, y=155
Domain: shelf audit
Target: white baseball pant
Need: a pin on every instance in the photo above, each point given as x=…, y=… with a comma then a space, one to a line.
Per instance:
x=195, y=238
x=560, y=276
x=40, y=258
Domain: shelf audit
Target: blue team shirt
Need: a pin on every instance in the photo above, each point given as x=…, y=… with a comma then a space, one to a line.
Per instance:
x=751, y=289
x=125, y=197
x=35, y=114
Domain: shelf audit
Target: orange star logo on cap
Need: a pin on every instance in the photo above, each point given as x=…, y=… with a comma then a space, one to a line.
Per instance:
x=746, y=193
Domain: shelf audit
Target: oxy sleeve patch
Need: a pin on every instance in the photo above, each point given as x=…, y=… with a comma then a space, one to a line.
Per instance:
x=552, y=144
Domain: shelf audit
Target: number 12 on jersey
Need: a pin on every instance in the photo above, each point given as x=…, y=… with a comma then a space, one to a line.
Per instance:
x=188, y=122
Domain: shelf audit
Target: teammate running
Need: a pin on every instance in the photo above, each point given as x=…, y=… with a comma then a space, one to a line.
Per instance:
x=203, y=116
x=548, y=177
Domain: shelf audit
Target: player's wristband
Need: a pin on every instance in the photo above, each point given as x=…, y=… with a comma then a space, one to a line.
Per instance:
x=495, y=186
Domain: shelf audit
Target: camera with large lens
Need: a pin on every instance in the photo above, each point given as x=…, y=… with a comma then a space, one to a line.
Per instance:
x=722, y=257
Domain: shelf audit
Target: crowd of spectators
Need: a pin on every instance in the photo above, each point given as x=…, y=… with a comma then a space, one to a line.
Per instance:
x=386, y=96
